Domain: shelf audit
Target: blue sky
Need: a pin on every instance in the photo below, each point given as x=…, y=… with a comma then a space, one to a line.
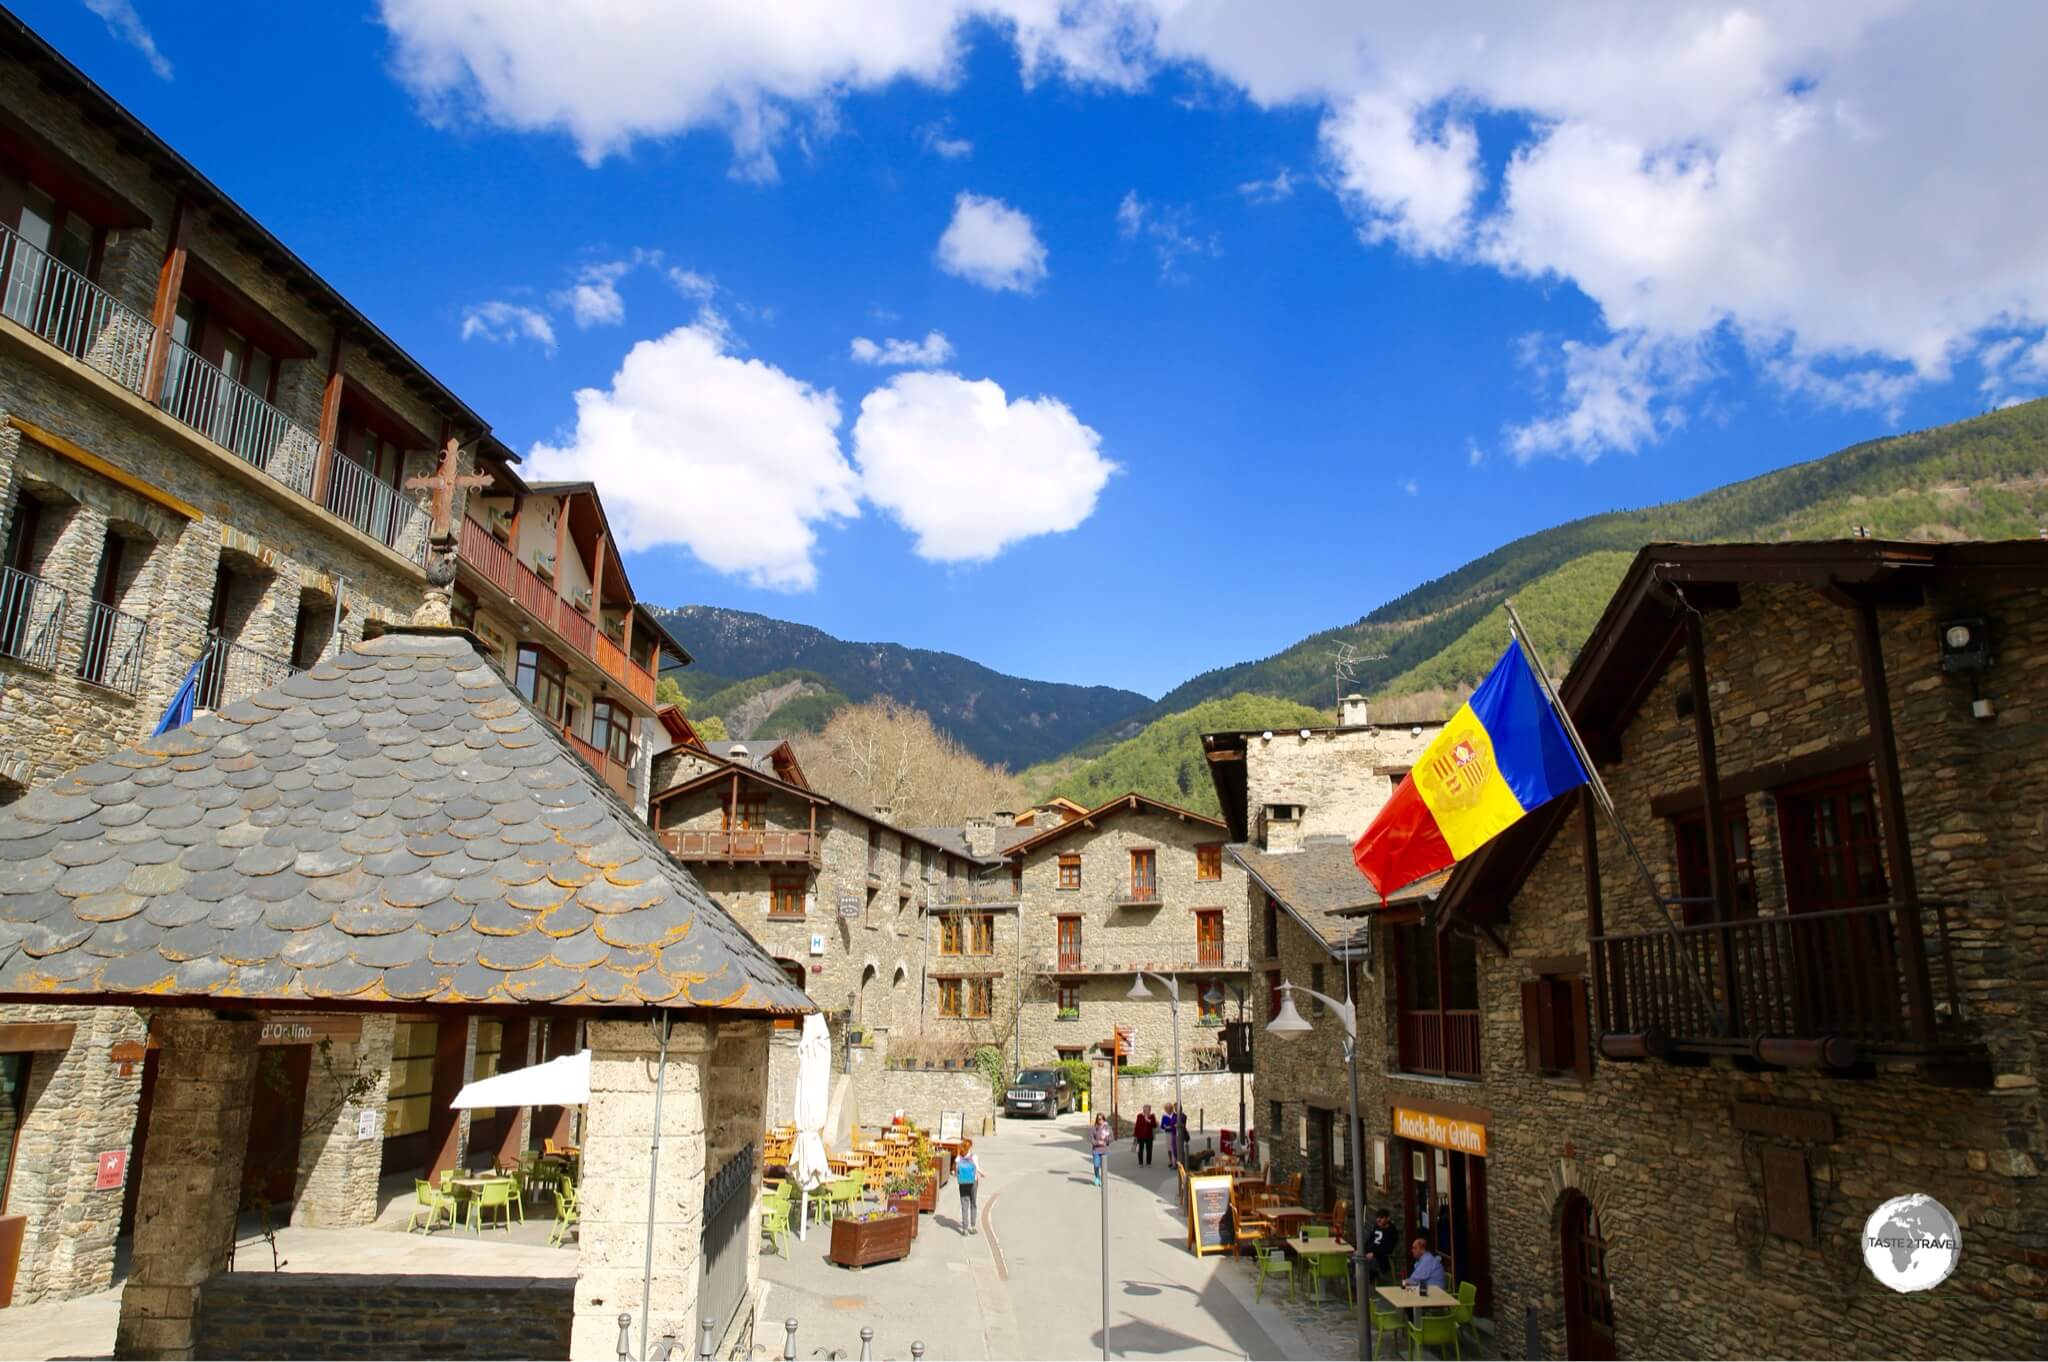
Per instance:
x=1248, y=324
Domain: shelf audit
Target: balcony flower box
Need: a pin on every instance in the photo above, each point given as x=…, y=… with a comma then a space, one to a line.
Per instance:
x=905, y=1204
x=928, y=1196
x=1068, y=1014
x=880, y=1239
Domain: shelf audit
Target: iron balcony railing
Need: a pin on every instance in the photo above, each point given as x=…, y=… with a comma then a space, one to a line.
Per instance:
x=238, y=420
x=229, y=672
x=113, y=648
x=1141, y=892
x=377, y=508
x=72, y=313
x=32, y=615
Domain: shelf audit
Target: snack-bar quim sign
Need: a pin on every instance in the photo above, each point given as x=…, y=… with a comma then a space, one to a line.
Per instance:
x=1465, y=1137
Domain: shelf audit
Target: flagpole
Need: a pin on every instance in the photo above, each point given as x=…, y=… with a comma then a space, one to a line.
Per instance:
x=1606, y=800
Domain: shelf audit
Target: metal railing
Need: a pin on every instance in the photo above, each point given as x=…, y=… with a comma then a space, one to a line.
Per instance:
x=237, y=420
x=1142, y=892
x=32, y=615
x=376, y=508
x=229, y=672
x=72, y=313
x=113, y=648
x=1082, y=962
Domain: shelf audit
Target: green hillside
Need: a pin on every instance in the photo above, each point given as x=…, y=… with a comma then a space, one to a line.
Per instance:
x=1165, y=759
x=1559, y=608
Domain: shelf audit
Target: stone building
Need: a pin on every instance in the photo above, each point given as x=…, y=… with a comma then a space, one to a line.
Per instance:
x=1132, y=885
x=1677, y=1117
x=1294, y=800
x=474, y=863
x=203, y=456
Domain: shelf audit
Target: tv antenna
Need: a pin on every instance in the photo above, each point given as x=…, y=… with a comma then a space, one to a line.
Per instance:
x=1345, y=663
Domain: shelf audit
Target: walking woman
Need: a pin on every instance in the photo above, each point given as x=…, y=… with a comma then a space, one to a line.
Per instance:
x=1098, y=1143
x=1142, y=1129
x=1171, y=1124
x=967, y=1173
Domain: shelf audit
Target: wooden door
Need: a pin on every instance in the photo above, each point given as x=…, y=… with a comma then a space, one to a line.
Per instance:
x=1326, y=1177
x=1209, y=938
x=1070, y=943
x=1588, y=1303
x=277, y=1125
x=1844, y=967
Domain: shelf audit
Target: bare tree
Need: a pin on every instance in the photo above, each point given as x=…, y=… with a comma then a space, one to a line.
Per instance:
x=885, y=755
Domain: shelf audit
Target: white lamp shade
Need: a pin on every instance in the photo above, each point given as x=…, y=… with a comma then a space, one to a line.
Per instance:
x=1288, y=1022
x=1138, y=989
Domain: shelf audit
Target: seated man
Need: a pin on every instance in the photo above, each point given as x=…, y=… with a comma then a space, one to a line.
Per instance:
x=1379, y=1243
x=1424, y=1267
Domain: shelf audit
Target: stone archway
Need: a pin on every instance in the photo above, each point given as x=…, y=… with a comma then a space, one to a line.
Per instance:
x=900, y=1011
x=864, y=999
x=1582, y=1262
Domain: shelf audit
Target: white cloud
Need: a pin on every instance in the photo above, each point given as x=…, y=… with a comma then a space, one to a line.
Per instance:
x=928, y=353
x=992, y=244
x=124, y=23
x=502, y=321
x=691, y=284
x=1409, y=182
x=939, y=140
x=1168, y=227
x=593, y=300
x=1619, y=395
x=1410, y=486
x=730, y=458
x=969, y=471
x=1280, y=186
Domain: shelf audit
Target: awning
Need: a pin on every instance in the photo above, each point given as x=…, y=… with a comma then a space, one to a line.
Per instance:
x=563, y=1082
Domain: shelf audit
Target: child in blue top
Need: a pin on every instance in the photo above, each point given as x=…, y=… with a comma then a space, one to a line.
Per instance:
x=967, y=1172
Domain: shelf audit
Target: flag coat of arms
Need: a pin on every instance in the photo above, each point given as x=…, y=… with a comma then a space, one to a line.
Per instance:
x=1502, y=754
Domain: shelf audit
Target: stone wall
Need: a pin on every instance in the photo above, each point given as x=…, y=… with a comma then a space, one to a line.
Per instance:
x=338, y=1169
x=1211, y=1100
x=1300, y=1075
x=1117, y=940
x=260, y=1315
x=1339, y=776
x=879, y=1092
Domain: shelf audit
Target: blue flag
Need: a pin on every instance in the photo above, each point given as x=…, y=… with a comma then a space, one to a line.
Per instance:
x=180, y=711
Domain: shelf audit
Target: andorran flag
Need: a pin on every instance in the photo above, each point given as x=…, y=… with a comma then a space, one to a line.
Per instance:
x=1501, y=755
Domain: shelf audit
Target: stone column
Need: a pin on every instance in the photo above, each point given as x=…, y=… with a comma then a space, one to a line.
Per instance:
x=191, y=1178
x=338, y=1169
x=617, y=1171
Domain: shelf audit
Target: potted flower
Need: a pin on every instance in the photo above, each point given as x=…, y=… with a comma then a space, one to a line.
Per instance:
x=906, y=1195
x=868, y=1236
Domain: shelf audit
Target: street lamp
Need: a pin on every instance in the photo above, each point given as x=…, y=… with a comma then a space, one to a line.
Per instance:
x=1215, y=997
x=1180, y=1109
x=1290, y=1022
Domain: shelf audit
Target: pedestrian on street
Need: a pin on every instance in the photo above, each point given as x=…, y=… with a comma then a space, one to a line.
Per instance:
x=1141, y=1132
x=967, y=1173
x=1098, y=1143
x=1171, y=1124
x=1379, y=1244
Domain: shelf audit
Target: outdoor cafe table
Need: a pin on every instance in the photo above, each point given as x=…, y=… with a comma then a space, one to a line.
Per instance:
x=1286, y=1217
x=1316, y=1248
x=1411, y=1300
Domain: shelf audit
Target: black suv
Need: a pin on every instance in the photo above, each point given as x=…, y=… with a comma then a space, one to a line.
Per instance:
x=1043, y=1092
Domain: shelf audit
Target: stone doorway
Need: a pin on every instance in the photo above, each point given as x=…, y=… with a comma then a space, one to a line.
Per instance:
x=1588, y=1302
x=277, y=1122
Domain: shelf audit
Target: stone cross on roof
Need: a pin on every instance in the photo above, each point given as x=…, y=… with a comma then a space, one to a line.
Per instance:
x=443, y=482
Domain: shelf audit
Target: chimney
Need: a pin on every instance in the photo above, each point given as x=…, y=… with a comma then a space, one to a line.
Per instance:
x=885, y=813
x=1003, y=818
x=1280, y=827
x=738, y=751
x=980, y=836
x=1352, y=711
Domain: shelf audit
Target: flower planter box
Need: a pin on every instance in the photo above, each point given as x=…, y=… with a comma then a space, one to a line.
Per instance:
x=904, y=1204
x=928, y=1196
x=861, y=1243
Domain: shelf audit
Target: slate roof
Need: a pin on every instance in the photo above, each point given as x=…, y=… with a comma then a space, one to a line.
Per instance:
x=759, y=753
x=954, y=839
x=395, y=824
x=1320, y=882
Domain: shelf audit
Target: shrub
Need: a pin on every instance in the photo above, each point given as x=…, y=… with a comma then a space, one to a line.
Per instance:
x=989, y=1060
x=1079, y=1076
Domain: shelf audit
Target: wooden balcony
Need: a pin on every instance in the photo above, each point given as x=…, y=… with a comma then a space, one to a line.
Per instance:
x=746, y=844
x=1137, y=894
x=1445, y=1043
x=1806, y=989
x=496, y=564
x=1190, y=964
x=616, y=773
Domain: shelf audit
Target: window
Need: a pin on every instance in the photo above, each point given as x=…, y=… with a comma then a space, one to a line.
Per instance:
x=410, y=1103
x=541, y=679
x=1834, y=853
x=1209, y=861
x=874, y=851
x=1436, y=983
x=1695, y=879
x=611, y=730
x=1208, y=1013
x=749, y=814
x=980, y=998
x=1272, y=994
x=949, y=997
x=61, y=232
x=1209, y=936
x=490, y=1043
x=1070, y=1002
x=984, y=934
x=949, y=934
x=462, y=607
x=1272, y=928
x=13, y=1107
x=1555, y=1034
x=1070, y=870
x=1070, y=942
x=786, y=896
x=1144, y=874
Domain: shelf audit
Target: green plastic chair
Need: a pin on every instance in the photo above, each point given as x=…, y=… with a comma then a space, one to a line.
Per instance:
x=775, y=1224
x=492, y=1196
x=1468, y=1303
x=1388, y=1324
x=1315, y=1231
x=1330, y=1267
x=566, y=1213
x=841, y=1194
x=1433, y=1332
x=1272, y=1261
x=431, y=1204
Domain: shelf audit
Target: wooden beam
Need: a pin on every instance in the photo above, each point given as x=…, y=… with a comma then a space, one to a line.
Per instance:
x=330, y=421
x=561, y=541
x=163, y=310
x=85, y=458
x=596, y=611
x=1891, y=804
x=1720, y=864
x=1596, y=913
x=1769, y=776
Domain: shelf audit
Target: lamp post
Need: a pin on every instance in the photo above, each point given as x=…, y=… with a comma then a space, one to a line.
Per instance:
x=1180, y=1110
x=1214, y=997
x=1290, y=1022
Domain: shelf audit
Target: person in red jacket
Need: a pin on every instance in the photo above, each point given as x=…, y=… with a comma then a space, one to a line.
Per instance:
x=1142, y=1130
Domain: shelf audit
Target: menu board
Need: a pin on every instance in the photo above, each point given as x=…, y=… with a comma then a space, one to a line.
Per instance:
x=1211, y=1227
x=950, y=1123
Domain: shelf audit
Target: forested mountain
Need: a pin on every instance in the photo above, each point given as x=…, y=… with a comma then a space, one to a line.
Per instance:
x=785, y=678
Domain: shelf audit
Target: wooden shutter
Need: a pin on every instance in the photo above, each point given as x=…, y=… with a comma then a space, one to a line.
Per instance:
x=1532, y=1024
x=1582, y=1041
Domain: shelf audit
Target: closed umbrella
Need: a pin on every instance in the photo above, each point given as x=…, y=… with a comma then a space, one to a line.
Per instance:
x=563, y=1082
x=807, y=1164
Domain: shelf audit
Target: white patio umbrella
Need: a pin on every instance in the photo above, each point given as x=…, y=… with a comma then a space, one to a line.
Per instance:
x=563, y=1082
x=807, y=1165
